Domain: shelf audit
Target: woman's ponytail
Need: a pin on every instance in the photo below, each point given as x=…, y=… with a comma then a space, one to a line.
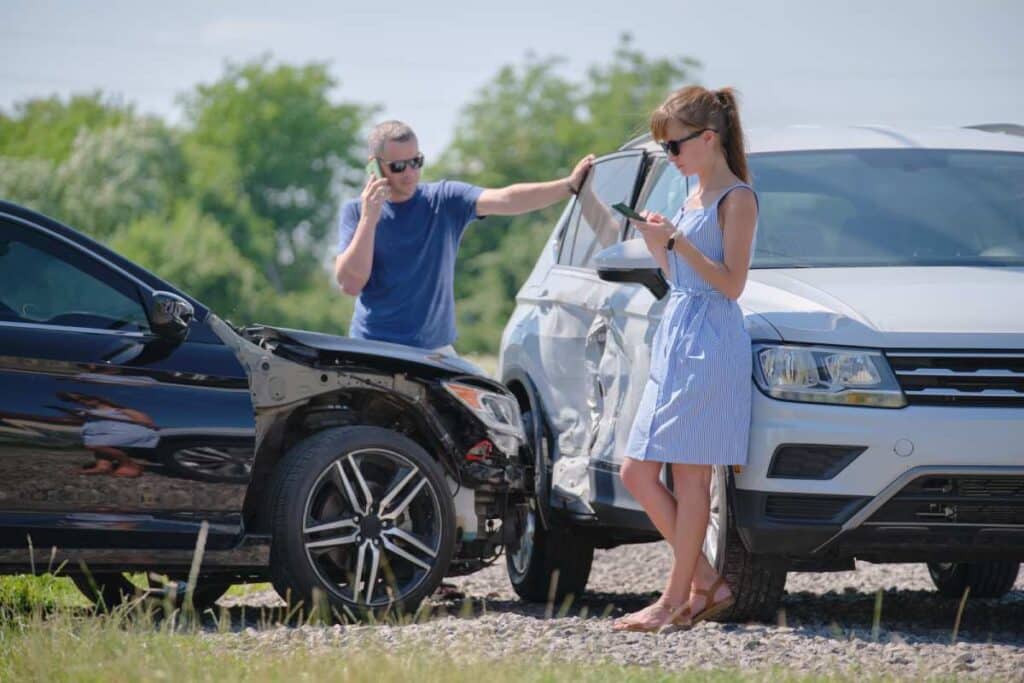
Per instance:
x=731, y=134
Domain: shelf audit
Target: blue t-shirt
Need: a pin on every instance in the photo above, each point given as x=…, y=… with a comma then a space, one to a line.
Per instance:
x=409, y=298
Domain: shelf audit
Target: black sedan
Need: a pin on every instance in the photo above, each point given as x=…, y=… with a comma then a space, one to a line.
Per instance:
x=136, y=426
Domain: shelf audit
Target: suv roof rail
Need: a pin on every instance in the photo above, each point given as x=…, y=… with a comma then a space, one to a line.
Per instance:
x=638, y=141
x=1008, y=128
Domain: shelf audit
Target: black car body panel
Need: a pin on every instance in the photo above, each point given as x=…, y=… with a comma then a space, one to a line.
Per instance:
x=205, y=419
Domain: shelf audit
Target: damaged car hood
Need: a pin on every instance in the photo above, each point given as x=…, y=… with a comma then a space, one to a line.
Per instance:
x=363, y=351
x=892, y=307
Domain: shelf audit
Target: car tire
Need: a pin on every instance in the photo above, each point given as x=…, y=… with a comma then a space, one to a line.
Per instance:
x=108, y=590
x=758, y=589
x=355, y=506
x=544, y=550
x=985, y=579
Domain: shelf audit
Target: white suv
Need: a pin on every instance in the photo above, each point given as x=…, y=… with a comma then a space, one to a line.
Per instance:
x=886, y=307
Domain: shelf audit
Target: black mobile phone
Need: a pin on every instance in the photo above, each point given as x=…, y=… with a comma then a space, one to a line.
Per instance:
x=374, y=168
x=627, y=212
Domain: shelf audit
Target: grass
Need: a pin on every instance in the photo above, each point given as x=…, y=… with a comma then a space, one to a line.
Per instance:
x=133, y=646
x=48, y=633
x=46, y=592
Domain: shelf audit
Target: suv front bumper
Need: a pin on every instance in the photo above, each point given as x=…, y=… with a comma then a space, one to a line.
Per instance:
x=924, y=483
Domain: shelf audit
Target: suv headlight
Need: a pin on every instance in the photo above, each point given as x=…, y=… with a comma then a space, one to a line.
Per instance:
x=499, y=413
x=819, y=374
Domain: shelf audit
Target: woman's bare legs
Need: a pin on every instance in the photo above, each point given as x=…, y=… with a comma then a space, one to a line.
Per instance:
x=118, y=463
x=642, y=480
x=690, y=569
x=692, y=509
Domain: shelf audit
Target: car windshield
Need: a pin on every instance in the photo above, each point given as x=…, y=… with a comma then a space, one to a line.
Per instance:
x=889, y=208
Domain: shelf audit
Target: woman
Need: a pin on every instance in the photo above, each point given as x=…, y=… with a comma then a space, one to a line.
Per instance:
x=695, y=410
x=107, y=428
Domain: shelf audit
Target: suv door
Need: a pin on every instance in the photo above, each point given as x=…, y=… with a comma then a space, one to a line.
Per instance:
x=622, y=371
x=105, y=426
x=574, y=311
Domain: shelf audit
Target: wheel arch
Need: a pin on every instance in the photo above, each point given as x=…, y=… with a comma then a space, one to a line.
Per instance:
x=523, y=388
x=367, y=407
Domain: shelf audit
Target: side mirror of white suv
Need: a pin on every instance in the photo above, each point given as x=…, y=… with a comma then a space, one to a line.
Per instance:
x=630, y=261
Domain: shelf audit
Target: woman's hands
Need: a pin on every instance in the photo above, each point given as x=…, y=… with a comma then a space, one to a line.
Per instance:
x=655, y=229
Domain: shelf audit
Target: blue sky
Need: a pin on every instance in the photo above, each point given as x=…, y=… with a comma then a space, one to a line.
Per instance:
x=794, y=61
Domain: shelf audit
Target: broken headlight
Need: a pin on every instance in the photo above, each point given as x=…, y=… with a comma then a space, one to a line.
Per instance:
x=498, y=412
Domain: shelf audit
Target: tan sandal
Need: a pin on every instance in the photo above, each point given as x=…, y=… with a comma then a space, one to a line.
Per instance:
x=714, y=607
x=682, y=620
x=622, y=624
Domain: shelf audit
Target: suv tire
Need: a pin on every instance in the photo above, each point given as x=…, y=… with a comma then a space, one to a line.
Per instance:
x=543, y=551
x=758, y=589
x=985, y=579
x=355, y=506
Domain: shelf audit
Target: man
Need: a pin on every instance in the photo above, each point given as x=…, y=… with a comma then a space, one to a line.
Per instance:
x=399, y=240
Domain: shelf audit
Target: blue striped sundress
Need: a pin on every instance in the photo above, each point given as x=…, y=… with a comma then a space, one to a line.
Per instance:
x=695, y=408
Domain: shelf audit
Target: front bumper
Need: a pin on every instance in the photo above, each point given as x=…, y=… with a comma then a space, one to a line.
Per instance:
x=925, y=483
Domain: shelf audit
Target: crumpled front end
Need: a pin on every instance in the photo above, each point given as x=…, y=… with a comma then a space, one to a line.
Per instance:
x=302, y=383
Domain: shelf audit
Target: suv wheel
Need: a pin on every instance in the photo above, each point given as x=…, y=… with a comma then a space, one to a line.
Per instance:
x=110, y=589
x=544, y=551
x=758, y=589
x=362, y=516
x=985, y=579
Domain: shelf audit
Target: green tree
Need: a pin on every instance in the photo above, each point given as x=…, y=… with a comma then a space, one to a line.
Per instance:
x=46, y=128
x=268, y=152
x=114, y=176
x=30, y=182
x=531, y=123
x=193, y=252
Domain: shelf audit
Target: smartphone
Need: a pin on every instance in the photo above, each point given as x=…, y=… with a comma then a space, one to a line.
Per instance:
x=374, y=168
x=627, y=212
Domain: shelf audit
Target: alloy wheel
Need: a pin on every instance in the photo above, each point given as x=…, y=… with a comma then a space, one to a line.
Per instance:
x=372, y=527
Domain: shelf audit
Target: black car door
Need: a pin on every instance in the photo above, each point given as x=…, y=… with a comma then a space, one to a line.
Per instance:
x=110, y=435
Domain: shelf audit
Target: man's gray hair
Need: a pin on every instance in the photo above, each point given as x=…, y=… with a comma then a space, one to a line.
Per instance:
x=389, y=131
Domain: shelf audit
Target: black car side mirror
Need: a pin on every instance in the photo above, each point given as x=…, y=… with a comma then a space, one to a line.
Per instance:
x=630, y=261
x=170, y=315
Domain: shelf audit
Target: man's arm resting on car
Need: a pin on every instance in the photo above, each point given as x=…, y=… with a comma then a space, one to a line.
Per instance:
x=524, y=197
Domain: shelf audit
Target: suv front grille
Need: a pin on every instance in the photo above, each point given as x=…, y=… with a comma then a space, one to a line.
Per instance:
x=951, y=500
x=961, y=378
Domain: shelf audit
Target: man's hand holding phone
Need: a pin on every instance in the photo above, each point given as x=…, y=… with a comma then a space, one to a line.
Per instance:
x=376, y=191
x=374, y=169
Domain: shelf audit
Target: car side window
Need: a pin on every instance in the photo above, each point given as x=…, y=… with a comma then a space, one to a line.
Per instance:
x=599, y=226
x=45, y=282
x=667, y=195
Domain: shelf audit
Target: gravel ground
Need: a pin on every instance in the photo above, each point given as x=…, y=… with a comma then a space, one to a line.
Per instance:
x=824, y=625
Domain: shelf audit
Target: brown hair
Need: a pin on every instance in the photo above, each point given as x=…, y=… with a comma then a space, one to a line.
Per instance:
x=697, y=107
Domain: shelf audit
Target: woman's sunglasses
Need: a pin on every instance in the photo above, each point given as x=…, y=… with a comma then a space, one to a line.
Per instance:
x=672, y=146
x=399, y=166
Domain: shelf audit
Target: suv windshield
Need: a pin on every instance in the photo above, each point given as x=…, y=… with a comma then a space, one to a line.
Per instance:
x=889, y=208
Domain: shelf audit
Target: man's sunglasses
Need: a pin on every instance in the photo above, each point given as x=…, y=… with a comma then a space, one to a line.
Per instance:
x=672, y=146
x=399, y=166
